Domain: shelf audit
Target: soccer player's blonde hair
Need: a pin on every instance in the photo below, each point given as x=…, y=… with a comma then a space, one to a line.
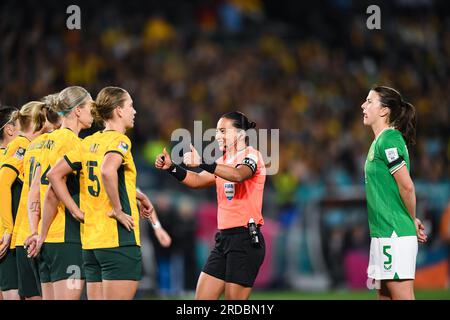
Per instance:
x=32, y=113
x=69, y=99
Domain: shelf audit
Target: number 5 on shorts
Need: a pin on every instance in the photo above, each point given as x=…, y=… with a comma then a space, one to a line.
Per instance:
x=388, y=263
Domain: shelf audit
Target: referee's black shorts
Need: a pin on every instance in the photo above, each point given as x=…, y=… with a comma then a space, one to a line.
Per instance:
x=234, y=259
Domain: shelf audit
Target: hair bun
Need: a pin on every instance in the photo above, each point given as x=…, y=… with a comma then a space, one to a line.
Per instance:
x=252, y=125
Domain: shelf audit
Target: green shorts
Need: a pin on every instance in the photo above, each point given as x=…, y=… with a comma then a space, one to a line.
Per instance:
x=29, y=284
x=122, y=263
x=8, y=271
x=60, y=261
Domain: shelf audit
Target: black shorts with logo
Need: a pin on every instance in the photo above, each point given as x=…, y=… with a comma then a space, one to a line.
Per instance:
x=234, y=259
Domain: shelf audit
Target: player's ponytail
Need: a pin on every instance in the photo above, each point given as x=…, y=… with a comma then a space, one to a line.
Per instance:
x=25, y=115
x=38, y=115
x=96, y=115
x=406, y=123
x=402, y=114
x=51, y=101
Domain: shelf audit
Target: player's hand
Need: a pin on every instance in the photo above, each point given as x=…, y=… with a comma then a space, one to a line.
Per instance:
x=146, y=208
x=163, y=160
x=78, y=215
x=420, y=230
x=192, y=159
x=163, y=237
x=33, y=245
x=6, y=241
x=125, y=219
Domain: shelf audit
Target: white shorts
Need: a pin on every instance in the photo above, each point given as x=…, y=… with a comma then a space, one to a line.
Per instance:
x=393, y=258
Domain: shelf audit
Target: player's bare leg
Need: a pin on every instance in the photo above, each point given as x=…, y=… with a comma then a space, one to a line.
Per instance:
x=47, y=291
x=119, y=289
x=383, y=293
x=401, y=289
x=95, y=291
x=11, y=294
x=68, y=289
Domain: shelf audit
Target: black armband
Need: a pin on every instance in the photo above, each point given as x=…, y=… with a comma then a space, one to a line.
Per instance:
x=178, y=172
x=208, y=167
x=249, y=162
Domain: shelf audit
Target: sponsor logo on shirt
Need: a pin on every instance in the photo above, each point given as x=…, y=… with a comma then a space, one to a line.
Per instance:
x=391, y=154
x=229, y=190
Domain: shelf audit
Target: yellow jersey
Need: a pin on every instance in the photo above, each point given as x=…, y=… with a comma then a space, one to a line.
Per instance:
x=13, y=159
x=101, y=231
x=64, y=227
x=2, y=155
x=30, y=163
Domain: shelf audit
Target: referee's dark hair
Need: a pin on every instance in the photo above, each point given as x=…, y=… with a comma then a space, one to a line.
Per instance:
x=240, y=120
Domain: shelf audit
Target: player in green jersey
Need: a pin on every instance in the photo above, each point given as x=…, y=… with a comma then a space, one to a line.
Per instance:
x=391, y=200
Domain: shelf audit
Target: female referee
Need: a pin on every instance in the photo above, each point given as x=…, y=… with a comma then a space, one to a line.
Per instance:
x=61, y=262
x=8, y=280
x=239, y=176
x=391, y=200
x=111, y=244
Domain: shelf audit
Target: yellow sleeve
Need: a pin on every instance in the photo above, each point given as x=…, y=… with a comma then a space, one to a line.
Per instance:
x=7, y=177
x=121, y=145
x=14, y=159
x=73, y=158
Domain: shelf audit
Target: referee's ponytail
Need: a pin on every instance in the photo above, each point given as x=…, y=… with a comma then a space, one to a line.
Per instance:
x=240, y=120
x=403, y=114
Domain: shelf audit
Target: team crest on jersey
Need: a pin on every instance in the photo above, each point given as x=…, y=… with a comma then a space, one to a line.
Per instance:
x=371, y=155
x=123, y=147
x=391, y=154
x=229, y=190
x=20, y=153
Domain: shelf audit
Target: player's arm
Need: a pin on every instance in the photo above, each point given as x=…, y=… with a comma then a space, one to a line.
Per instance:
x=112, y=163
x=7, y=176
x=149, y=213
x=57, y=177
x=240, y=173
x=408, y=195
x=188, y=178
x=34, y=202
x=393, y=151
x=49, y=211
x=406, y=189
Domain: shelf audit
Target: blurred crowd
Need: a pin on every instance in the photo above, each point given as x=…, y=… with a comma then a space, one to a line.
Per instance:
x=304, y=71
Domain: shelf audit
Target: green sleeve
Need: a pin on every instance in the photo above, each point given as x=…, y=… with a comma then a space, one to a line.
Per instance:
x=392, y=149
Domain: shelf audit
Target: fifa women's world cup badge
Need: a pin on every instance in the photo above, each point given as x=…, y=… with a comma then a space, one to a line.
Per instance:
x=229, y=190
